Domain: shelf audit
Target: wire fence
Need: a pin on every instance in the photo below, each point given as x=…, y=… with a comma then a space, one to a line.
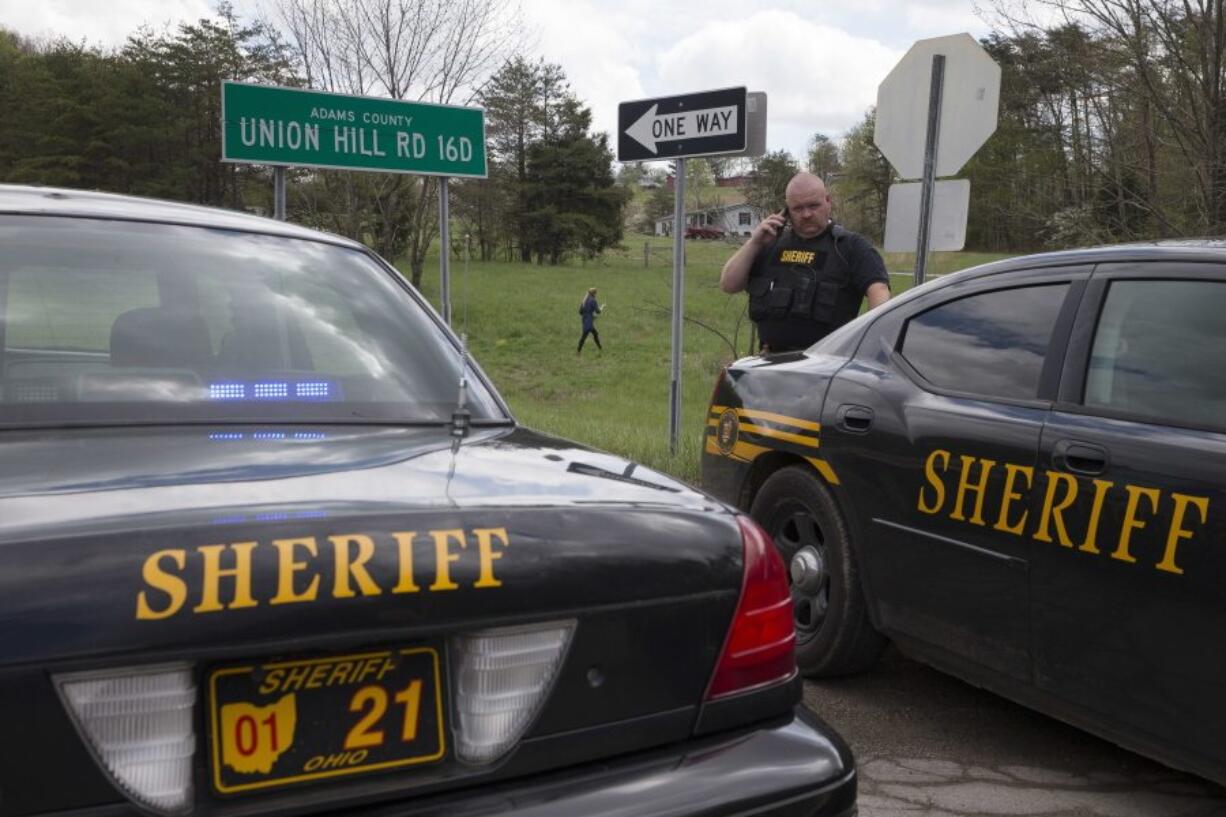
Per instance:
x=664, y=255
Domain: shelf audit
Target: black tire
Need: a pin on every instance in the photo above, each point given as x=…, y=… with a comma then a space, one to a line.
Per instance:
x=833, y=632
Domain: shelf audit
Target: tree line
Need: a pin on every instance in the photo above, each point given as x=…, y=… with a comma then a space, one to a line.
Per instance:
x=1112, y=127
x=145, y=119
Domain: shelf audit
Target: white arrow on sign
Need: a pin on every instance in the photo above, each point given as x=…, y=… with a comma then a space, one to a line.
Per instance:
x=652, y=128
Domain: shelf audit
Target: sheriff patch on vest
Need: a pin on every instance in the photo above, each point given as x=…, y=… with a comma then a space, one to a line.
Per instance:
x=801, y=289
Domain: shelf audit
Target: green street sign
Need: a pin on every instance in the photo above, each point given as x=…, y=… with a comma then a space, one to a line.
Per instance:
x=266, y=124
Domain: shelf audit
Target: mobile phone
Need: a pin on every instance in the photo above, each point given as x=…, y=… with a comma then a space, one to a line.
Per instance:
x=787, y=217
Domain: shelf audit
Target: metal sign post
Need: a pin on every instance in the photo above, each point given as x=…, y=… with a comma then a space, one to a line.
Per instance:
x=930, y=165
x=278, y=193
x=674, y=410
x=707, y=123
x=444, y=250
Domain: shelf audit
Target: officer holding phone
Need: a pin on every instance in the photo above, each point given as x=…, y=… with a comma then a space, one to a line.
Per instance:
x=805, y=275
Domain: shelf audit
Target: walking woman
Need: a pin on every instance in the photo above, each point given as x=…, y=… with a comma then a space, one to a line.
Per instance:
x=588, y=310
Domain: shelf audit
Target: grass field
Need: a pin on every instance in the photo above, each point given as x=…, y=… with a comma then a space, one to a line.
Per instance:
x=523, y=324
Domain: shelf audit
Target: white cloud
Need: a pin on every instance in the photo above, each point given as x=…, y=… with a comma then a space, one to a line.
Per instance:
x=106, y=24
x=817, y=78
x=937, y=18
x=599, y=49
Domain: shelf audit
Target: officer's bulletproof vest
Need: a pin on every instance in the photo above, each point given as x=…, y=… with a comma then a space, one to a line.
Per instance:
x=800, y=280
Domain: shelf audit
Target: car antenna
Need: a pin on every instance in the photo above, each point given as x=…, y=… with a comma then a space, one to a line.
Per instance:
x=461, y=417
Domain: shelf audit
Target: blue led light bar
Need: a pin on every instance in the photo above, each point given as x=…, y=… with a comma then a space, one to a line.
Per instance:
x=227, y=391
x=275, y=390
x=266, y=391
x=314, y=389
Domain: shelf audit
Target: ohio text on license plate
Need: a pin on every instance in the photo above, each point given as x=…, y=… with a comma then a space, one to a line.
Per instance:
x=293, y=721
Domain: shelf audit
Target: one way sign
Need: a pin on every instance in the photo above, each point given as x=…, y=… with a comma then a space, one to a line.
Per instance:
x=703, y=124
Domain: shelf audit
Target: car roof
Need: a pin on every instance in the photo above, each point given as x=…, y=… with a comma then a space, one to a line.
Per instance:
x=57, y=201
x=1185, y=249
x=1182, y=249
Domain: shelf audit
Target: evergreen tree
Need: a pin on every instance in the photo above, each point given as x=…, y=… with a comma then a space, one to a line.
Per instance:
x=526, y=104
x=573, y=202
x=183, y=72
x=551, y=182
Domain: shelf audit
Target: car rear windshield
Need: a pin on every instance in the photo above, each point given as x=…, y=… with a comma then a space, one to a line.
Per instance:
x=105, y=322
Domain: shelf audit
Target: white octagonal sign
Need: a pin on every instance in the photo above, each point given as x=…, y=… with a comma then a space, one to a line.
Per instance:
x=969, y=103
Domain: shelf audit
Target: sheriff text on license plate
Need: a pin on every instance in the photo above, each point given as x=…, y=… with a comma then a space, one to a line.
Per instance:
x=293, y=721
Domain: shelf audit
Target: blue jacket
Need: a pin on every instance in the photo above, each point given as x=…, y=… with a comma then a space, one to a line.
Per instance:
x=589, y=311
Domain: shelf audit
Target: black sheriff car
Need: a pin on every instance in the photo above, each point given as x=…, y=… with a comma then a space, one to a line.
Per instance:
x=1017, y=473
x=270, y=545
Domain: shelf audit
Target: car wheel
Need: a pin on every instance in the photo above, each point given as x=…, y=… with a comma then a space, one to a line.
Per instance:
x=833, y=633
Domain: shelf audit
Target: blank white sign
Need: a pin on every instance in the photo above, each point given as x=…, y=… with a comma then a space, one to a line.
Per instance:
x=950, y=206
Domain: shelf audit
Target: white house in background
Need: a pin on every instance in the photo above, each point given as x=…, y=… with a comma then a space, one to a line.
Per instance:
x=732, y=219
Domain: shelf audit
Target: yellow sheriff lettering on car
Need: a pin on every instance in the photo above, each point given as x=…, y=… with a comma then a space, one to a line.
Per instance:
x=217, y=577
x=254, y=737
x=743, y=435
x=957, y=486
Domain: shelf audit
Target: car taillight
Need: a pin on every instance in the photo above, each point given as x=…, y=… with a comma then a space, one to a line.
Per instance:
x=760, y=649
x=138, y=721
x=502, y=677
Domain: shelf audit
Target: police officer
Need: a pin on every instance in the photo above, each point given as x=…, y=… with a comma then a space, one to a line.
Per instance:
x=805, y=274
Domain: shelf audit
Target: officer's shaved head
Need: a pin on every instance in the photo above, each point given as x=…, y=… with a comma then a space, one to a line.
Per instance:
x=808, y=204
x=805, y=182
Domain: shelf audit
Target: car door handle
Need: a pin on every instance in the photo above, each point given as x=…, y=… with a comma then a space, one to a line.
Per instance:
x=1080, y=458
x=855, y=419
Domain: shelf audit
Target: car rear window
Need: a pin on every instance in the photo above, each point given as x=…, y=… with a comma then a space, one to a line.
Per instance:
x=1157, y=352
x=991, y=344
x=111, y=322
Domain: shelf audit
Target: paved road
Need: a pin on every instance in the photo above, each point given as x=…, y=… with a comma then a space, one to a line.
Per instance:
x=928, y=745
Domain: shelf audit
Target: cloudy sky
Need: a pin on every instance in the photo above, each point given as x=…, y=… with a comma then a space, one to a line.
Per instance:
x=819, y=61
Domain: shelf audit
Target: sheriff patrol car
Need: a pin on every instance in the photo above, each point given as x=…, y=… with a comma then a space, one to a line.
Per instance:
x=271, y=544
x=1017, y=473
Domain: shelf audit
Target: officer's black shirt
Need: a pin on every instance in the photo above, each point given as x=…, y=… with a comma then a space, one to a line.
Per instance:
x=802, y=289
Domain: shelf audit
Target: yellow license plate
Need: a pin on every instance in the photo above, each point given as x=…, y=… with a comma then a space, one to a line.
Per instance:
x=290, y=722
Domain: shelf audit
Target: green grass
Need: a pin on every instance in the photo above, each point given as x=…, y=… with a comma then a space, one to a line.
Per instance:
x=523, y=325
